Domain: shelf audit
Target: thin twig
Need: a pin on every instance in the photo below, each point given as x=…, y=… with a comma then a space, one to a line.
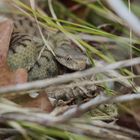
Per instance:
x=79, y=110
x=46, y=119
x=89, y=82
x=68, y=77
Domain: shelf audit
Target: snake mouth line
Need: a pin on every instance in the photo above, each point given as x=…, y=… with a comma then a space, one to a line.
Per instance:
x=71, y=64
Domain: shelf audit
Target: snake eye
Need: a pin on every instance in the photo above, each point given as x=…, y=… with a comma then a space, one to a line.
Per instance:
x=68, y=58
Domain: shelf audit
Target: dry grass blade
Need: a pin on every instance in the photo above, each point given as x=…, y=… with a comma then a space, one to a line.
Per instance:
x=33, y=6
x=48, y=119
x=119, y=7
x=68, y=77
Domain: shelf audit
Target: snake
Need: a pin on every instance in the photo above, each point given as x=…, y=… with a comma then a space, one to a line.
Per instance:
x=27, y=52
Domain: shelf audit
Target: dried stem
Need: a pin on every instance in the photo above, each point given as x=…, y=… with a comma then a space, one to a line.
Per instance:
x=68, y=77
x=47, y=119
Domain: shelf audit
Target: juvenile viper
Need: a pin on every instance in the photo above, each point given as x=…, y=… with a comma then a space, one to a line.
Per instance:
x=27, y=52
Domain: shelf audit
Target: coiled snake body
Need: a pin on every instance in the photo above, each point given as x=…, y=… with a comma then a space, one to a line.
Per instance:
x=26, y=52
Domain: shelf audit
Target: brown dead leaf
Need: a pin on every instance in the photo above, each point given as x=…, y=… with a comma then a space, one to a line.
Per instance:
x=129, y=115
x=6, y=28
x=41, y=102
x=8, y=77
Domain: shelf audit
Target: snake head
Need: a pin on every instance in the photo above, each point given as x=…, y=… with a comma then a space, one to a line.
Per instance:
x=71, y=57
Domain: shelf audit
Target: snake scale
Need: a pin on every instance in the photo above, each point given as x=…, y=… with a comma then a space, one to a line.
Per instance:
x=27, y=52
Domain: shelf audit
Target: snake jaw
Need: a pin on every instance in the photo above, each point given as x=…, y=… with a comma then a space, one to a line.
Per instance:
x=80, y=65
x=72, y=63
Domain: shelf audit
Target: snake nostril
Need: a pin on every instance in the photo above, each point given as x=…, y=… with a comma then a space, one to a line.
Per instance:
x=68, y=58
